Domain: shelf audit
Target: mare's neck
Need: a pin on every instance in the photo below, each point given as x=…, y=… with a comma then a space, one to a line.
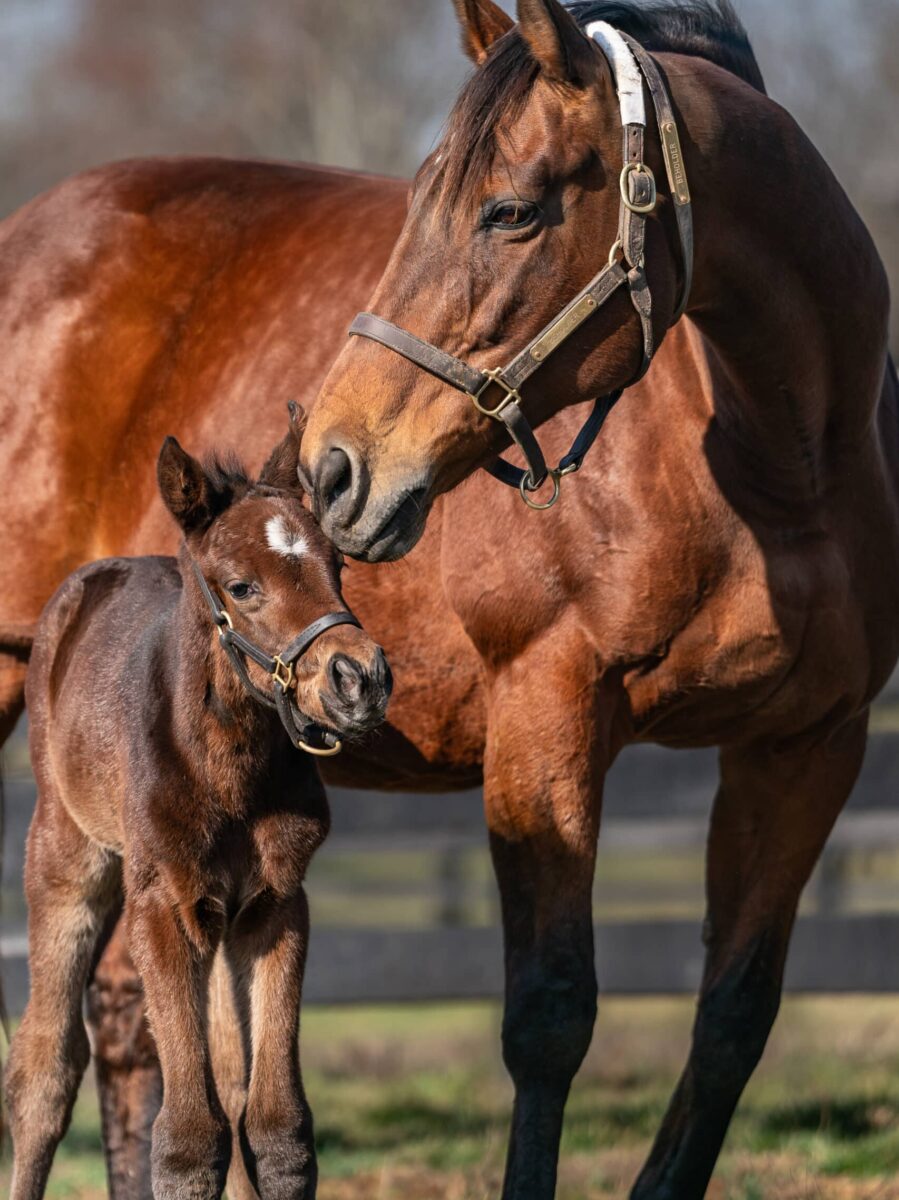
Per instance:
x=789, y=292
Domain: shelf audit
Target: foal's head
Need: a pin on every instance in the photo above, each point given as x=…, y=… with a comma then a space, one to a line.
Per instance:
x=514, y=212
x=272, y=572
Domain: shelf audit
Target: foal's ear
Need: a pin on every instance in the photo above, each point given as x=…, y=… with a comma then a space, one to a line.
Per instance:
x=483, y=23
x=186, y=489
x=556, y=41
x=281, y=469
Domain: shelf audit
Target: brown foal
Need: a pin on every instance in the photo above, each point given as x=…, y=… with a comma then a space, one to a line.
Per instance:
x=724, y=570
x=168, y=788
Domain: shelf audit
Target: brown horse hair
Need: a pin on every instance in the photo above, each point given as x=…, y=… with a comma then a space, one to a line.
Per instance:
x=498, y=90
x=197, y=820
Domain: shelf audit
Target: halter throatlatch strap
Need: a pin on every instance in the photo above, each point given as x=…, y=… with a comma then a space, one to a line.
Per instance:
x=304, y=733
x=626, y=266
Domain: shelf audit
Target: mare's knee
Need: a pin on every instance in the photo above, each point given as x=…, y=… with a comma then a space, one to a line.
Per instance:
x=548, y=1022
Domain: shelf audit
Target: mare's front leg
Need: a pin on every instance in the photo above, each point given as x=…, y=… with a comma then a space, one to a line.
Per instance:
x=774, y=810
x=266, y=950
x=173, y=947
x=544, y=766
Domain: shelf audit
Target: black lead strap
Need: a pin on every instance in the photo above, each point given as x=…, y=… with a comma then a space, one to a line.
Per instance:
x=304, y=734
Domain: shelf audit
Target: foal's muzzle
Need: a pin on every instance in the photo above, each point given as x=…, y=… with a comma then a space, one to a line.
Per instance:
x=356, y=695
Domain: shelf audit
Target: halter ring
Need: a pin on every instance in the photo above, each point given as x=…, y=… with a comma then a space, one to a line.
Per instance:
x=511, y=396
x=641, y=169
x=555, y=475
x=323, y=752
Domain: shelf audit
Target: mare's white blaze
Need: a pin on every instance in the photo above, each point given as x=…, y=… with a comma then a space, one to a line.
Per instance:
x=284, y=540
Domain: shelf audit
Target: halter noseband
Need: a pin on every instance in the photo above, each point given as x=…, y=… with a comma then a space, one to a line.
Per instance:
x=300, y=730
x=625, y=265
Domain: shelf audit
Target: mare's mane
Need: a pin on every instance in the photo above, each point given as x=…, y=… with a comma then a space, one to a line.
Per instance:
x=498, y=90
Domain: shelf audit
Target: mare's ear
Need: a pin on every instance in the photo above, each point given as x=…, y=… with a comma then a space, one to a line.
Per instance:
x=187, y=490
x=483, y=23
x=281, y=469
x=564, y=53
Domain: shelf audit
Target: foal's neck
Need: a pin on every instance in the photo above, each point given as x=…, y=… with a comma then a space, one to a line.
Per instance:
x=232, y=738
x=789, y=291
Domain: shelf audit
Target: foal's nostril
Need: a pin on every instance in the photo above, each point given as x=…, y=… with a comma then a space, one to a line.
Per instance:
x=347, y=678
x=335, y=477
x=382, y=673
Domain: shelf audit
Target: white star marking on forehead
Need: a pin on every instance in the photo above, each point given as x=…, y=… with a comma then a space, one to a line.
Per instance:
x=284, y=540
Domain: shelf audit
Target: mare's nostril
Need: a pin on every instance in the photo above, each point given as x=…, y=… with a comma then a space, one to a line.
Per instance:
x=335, y=477
x=347, y=678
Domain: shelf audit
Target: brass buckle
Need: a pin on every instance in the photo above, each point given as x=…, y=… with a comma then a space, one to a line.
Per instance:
x=511, y=396
x=641, y=169
x=223, y=612
x=320, y=753
x=286, y=679
x=555, y=475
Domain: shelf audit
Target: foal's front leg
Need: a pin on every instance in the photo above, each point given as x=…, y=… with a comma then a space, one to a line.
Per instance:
x=266, y=949
x=543, y=784
x=191, y=1135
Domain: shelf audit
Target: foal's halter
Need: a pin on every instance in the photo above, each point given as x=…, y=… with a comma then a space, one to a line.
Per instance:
x=625, y=265
x=305, y=734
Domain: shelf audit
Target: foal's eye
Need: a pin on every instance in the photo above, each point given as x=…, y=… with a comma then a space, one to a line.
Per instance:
x=512, y=214
x=239, y=590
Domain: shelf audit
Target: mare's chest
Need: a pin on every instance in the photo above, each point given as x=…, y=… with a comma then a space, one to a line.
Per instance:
x=702, y=618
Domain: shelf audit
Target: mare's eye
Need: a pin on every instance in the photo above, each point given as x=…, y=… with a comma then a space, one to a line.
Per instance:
x=512, y=214
x=239, y=590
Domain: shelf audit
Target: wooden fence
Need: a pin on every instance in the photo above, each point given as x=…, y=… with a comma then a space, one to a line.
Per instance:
x=404, y=906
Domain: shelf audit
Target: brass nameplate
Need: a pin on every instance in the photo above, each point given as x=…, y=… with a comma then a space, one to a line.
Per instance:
x=566, y=324
x=674, y=162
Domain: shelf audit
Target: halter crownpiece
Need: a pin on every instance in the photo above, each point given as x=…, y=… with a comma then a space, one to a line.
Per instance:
x=305, y=734
x=630, y=65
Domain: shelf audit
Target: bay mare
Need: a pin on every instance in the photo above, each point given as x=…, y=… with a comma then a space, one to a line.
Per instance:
x=723, y=571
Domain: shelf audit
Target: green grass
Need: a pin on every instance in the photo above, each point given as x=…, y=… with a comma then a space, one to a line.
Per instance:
x=411, y=1103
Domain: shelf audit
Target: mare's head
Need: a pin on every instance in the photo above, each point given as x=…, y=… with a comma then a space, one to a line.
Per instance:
x=273, y=572
x=508, y=219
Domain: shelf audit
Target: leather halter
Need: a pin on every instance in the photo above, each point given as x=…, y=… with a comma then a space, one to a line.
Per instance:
x=305, y=734
x=625, y=266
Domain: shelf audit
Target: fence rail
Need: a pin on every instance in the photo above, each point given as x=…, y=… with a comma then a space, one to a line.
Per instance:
x=411, y=858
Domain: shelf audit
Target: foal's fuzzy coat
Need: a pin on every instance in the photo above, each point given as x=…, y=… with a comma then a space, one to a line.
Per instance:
x=164, y=787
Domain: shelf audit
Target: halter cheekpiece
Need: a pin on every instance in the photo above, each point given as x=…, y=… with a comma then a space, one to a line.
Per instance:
x=631, y=65
x=305, y=734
